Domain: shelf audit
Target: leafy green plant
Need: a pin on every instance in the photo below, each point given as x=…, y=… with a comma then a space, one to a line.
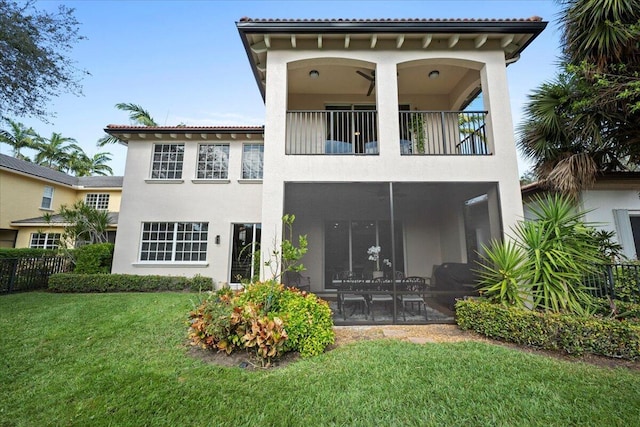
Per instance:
x=626, y=281
x=548, y=259
x=26, y=252
x=265, y=317
x=501, y=276
x=574, y=334
x=91, y=259
x=308, y=321
x=72, y=282
x=417, y=126
x=288, y=257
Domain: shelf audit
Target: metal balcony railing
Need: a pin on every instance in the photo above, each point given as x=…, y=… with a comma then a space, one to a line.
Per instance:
x=354, y=132
x=443, y=133
x=332, y=132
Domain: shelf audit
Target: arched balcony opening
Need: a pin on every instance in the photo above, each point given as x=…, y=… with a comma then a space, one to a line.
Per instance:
x=331, y=107
x=440, y=108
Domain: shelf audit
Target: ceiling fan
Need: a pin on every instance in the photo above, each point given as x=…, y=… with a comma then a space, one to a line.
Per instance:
x=371, y=77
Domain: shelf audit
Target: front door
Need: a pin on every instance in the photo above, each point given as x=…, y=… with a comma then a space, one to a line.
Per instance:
x=245, y=258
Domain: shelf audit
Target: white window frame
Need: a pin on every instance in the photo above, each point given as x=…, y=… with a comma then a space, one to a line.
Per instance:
x=214, y=168
x=173, y=242
x=45, y=240
x=251, y=171
x=99, y=201
x=47, y=197
x=163, y=166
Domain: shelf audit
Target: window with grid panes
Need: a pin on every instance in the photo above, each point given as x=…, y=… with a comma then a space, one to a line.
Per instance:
x=213, y=161
x=47, y=198
x=45, y=240
x=98, y=201
x=167, y=161
x=252, y=158
x=174, y=241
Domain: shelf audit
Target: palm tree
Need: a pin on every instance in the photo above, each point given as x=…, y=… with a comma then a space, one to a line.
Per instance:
x=98, y=164
x=78, y=163
x=54, y=152
x=137, y=115
x=588, y=120
x=568, y=146
x=601, y=32
x=18, y=137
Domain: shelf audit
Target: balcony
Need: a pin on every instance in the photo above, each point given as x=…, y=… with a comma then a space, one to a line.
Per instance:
x=355, y=132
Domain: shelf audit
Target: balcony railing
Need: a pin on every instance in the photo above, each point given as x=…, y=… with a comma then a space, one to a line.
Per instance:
x=332, y=132
x=443, y=133
x=345, y=132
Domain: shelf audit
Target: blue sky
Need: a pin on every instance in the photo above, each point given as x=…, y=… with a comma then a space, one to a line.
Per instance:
x=183, y=61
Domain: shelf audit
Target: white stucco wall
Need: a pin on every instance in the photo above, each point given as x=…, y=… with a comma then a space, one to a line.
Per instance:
x=601, y=203
x=389, y=165
x=219, y=204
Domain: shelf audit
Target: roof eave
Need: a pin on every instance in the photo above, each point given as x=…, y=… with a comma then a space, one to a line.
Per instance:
x=245, y=27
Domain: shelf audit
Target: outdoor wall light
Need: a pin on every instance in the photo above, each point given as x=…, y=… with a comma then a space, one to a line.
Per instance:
x=218, y=239
x=314, y=74
x=434, y=74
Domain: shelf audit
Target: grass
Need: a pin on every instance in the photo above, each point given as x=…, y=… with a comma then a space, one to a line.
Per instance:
x=121, y=359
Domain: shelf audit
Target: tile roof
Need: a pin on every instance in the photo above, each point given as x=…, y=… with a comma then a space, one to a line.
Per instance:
x=225, y=129
x=57, y=219
x=386, y=20
x=49, y=174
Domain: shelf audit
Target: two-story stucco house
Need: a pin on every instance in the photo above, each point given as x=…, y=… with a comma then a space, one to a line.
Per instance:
x=29, y=191
x=369, y=139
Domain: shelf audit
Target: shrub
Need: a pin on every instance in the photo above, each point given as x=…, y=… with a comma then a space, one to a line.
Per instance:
x=546, y=262
x=617, y=309
x=265, y=317
x=71, y=282
x=26, y=252
x=552, y=331
x=91, y=259
x=626, y=281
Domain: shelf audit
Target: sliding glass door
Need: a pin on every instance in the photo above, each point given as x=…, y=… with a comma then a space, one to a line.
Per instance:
x=347, y=244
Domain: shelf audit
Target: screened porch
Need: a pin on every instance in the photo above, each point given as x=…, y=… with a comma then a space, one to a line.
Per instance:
x=386, y=252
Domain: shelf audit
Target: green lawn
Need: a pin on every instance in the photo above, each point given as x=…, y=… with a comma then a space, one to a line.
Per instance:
x=120, y=359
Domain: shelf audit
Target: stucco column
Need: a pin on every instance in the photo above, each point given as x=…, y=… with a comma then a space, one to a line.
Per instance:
x=274, y=146
x=387, y=106
x=500, y=131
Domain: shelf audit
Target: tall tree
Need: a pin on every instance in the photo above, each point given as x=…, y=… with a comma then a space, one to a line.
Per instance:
x=588, y=120
x=82, y=165
x=137, y=116
x=34, y=57
x=54, y=152
x=18, y=137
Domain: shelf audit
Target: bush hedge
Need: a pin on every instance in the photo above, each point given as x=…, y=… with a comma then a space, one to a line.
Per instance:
x=26, y=253
x=91, y=259
x=71, y=282
x=571, y=333
x=266, y=318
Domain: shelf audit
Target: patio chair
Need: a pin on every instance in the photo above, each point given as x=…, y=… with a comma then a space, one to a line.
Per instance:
x=297, y=280
x=345, y=297
x=379, y=285
x=413, y=288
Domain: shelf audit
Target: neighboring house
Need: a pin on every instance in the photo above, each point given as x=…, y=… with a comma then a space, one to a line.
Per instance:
x=368, y=140
x=612, y=204
x=28, y=191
